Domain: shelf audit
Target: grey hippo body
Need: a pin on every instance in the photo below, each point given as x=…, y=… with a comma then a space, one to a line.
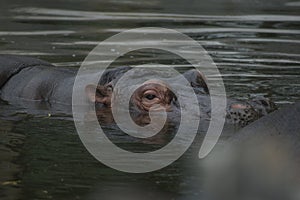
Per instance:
x=261, y=161
x=34, y=79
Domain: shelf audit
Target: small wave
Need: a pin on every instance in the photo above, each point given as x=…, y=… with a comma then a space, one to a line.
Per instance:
x=77, y=15
x=222, y=30
x=25, y=33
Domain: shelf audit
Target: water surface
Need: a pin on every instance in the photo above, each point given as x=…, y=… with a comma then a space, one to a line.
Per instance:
x=255, y=44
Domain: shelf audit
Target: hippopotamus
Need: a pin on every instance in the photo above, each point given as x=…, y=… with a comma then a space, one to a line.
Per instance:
x=153, y=92
x=30, y=79
x=261, y=161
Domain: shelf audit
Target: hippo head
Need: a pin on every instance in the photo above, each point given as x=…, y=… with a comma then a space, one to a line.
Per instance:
x=153, y=93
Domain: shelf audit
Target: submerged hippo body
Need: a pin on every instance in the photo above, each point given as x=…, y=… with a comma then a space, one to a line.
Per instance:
x=23, y=78
x=33, y=79
x=261, y=161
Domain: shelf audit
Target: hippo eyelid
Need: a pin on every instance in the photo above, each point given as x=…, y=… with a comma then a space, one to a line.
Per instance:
x=150, y=96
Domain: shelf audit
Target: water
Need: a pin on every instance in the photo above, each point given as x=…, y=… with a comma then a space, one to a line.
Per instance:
x=255, y=44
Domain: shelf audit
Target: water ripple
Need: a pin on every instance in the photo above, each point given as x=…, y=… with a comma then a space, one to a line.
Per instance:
x=27, y=33
x=77, y=15
x=222, y=30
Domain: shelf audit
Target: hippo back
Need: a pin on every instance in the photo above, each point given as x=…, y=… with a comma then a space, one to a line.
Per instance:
x=11, y=65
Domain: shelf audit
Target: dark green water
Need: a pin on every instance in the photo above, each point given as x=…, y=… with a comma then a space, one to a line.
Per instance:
x=255, y=44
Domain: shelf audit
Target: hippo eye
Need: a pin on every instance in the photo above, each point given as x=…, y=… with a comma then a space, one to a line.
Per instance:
x=109, y=88
x=150, y=96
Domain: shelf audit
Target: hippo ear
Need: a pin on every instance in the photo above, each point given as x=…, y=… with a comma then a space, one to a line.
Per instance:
x=197, y=80
x=99, y=94
x=90, y=91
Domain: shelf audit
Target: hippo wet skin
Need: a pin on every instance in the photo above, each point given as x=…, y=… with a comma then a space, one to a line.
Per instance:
x=33, y=79
x=29, y=79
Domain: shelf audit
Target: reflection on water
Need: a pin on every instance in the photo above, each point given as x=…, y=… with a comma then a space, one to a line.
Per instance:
x=255, y=44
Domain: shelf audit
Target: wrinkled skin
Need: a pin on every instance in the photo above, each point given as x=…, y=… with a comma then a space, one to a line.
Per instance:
x=24, y=78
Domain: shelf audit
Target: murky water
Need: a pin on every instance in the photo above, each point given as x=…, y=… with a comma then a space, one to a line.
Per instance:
x=255, y=44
